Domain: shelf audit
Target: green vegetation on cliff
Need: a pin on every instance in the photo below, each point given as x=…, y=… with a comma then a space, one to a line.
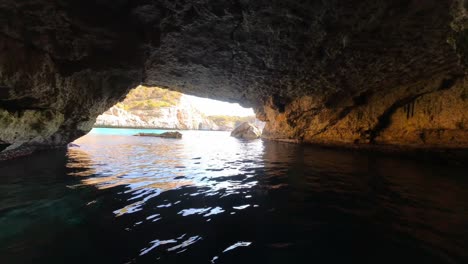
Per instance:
x=150, y=103
x=149, y=98
x=222, y=120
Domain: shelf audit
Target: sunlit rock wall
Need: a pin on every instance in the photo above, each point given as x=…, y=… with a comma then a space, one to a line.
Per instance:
x=425, y=114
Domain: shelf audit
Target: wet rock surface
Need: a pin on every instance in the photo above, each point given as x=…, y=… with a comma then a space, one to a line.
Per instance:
x=332, y=72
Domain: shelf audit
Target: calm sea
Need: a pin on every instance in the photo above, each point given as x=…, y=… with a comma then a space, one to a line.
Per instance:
x=210, y=198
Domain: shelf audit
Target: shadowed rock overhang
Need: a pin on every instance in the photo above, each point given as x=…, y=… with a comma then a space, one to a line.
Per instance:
x=333, y=72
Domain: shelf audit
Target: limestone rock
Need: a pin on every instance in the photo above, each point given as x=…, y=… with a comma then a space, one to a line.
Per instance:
x=333, y=72
x=434, y=116
x=183, y=115
x=117, y=117
x=246, y=131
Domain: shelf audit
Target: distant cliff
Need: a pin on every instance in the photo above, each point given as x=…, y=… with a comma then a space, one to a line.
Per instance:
x=150, y=107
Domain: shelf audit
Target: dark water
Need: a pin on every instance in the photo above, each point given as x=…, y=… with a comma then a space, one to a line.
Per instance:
x=209, y=198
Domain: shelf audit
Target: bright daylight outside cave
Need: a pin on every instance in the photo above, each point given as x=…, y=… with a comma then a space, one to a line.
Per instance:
x=233, y=131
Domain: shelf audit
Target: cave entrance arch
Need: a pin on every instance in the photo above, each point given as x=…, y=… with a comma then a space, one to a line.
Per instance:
x=319, y=72
x=158, y=108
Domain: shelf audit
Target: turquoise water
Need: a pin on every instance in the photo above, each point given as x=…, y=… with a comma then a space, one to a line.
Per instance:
x=210, y=198
x=125, y=131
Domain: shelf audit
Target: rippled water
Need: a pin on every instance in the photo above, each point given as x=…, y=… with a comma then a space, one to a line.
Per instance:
x=209, y=198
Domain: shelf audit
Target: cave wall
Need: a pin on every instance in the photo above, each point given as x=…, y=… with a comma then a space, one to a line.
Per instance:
x=432, y=113
x=333, y=72
x=58, y=72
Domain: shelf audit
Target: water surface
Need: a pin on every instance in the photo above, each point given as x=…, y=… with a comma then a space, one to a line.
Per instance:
x=210, y=198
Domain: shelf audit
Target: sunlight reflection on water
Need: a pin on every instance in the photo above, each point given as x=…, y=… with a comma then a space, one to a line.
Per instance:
x=148, y=167
x=142, y=163
x=211, y=198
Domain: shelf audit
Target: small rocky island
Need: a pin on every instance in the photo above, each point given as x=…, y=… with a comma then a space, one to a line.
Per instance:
x=246, y=130
x=162, y=135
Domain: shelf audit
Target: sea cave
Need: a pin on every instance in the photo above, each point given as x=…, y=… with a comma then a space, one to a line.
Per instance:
x=365, y=112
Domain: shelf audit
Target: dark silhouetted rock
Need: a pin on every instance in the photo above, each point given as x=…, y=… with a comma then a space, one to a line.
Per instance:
x=162, y=135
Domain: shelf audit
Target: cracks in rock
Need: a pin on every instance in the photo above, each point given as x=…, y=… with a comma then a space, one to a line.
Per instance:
x=358, y=100
x=384, y=120
x=294, y=116
x=409, y=109
x=342, y=114
x=3, y=146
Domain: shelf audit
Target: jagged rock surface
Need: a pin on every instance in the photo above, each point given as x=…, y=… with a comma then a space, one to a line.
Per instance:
x=346, y=72
x=118, y=117
x=432, y=116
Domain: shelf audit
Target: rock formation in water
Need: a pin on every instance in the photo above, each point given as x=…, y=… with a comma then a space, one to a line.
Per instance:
x=246, y=131
x=174, y=134
x=335, y=72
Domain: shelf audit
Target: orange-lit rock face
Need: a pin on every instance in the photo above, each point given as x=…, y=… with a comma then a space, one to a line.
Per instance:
x=358, y=72
x=426, y=114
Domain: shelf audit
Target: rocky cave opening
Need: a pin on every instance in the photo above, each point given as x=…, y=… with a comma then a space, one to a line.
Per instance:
x=157, y=108
x=364, y=73
x=369, y=76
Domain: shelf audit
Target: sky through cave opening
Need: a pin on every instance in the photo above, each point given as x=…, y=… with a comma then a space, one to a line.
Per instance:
x=154, y=107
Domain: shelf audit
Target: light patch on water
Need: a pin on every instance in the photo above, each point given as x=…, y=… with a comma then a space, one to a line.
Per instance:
x=131, y=208
x=214, y=211
x=236, y=245
x=155, y=244
x=241, y=207
x=209, y=211
x=192, y=211
x=164, y=205
x=152, y=216
x=186, y=243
